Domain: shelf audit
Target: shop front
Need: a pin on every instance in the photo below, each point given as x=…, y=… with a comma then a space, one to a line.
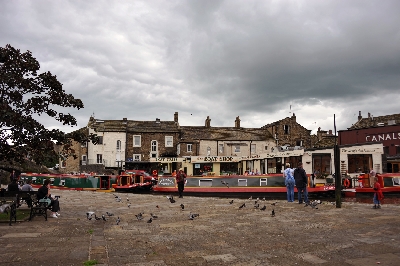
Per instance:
x=212, y=165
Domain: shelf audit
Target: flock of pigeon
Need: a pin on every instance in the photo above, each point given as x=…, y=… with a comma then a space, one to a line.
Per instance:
x=90, y=214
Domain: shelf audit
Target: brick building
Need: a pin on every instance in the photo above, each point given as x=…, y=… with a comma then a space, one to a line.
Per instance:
x=379, y=129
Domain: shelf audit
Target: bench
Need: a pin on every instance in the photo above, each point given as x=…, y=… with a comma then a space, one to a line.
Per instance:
x=38, y=208
x=12, y=202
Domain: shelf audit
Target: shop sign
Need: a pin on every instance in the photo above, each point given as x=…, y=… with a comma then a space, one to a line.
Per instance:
x=382, y=137
x=282, y=154
x=166, y=159
x=214, y=159
x=361, y=150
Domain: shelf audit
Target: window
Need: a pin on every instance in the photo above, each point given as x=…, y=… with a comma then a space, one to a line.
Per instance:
x=118, y=145
x=83, y=145
x=137, y=141
x=242, y=182
x=299, y=143
x=263, y=182
x=386, y=150
x=100, y=139
x=397, y=150
x=286, y=129
x=189, y=147
x=84, y=159
x=321, y=164
x=237, y=148
x=136, y=157
x=100, y=158
x=359, y=163
x=205, y=182
x=153, y=145
x=208, y=151
x=221, y=148
x=169, y=141
x=253, y=148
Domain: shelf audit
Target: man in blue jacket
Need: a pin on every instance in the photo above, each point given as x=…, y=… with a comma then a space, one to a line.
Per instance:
x=301, y=180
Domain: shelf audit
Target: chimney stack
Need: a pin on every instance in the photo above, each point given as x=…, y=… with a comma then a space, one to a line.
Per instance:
x=359, y=115
x=208, y=121
x=237, y=122
x=176, y=117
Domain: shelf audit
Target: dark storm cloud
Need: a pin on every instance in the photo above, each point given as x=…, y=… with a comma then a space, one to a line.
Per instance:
x=253, y=59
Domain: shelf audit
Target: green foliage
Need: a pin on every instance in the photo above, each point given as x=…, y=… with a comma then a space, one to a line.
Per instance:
x=25, y=94
x=90, y=262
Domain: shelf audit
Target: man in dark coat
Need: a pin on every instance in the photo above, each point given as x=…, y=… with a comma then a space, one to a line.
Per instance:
x=301, y=180
x=180, y=180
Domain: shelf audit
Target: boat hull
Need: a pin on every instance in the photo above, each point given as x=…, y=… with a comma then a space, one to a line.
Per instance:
x=269, y=186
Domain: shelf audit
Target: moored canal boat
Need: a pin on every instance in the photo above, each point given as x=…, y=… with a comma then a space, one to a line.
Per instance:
x=360, y=186
x=74, y=182
x=269, y=185
x=134, y=180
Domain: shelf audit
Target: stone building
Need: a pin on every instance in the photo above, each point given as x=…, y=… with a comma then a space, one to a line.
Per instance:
x=287, y=132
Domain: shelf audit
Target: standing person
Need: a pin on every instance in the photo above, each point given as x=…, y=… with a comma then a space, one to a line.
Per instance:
x=44, y=192
x=13, y=176
x=301, y=180
x=378, y=195
x=289, y=182
x=180, y=180
x=372, y=175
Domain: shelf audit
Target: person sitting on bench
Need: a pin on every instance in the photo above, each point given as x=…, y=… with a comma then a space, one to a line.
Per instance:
x=44, y=193
x=13, y=186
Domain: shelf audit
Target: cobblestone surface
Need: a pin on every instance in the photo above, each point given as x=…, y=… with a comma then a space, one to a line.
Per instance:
x=223, y=234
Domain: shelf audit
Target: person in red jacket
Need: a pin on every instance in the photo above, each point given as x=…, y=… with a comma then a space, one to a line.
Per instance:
x=180, y=180
x=378, y=195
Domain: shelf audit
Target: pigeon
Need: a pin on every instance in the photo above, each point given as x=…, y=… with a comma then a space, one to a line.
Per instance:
x=171, y=199
x=263, y=208
x=139, y=216
x=193, y=215
x=127, y=199
x=243, y=205
x=110, y=214
x=153, y=216
x=231, y=202
x=129, y=205
x=89, y=214
x=118, y=220
x=182, y=206
x=263, y=199
x=256, y=206
x=4, y=208
x=103, y=217
x=273, y=204
x=116, y=196
x=97, y=218
x=157, y=206
x=150, y=220
x=273, y=213
x=225, y=183
x=118, y=199
x=251, y=197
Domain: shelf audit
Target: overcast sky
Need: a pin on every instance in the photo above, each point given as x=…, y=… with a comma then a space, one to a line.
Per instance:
x=254, y=59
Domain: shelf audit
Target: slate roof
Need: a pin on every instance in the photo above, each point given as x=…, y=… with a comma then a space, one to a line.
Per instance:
x=372, y=121
x=192, y=133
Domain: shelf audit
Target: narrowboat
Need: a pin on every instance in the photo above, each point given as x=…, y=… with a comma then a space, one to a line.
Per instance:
x=74, y=182
x=360, y=186
x=134, y=180
x=269, y=185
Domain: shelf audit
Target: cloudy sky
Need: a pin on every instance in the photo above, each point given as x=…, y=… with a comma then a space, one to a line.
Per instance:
x=259, y=60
